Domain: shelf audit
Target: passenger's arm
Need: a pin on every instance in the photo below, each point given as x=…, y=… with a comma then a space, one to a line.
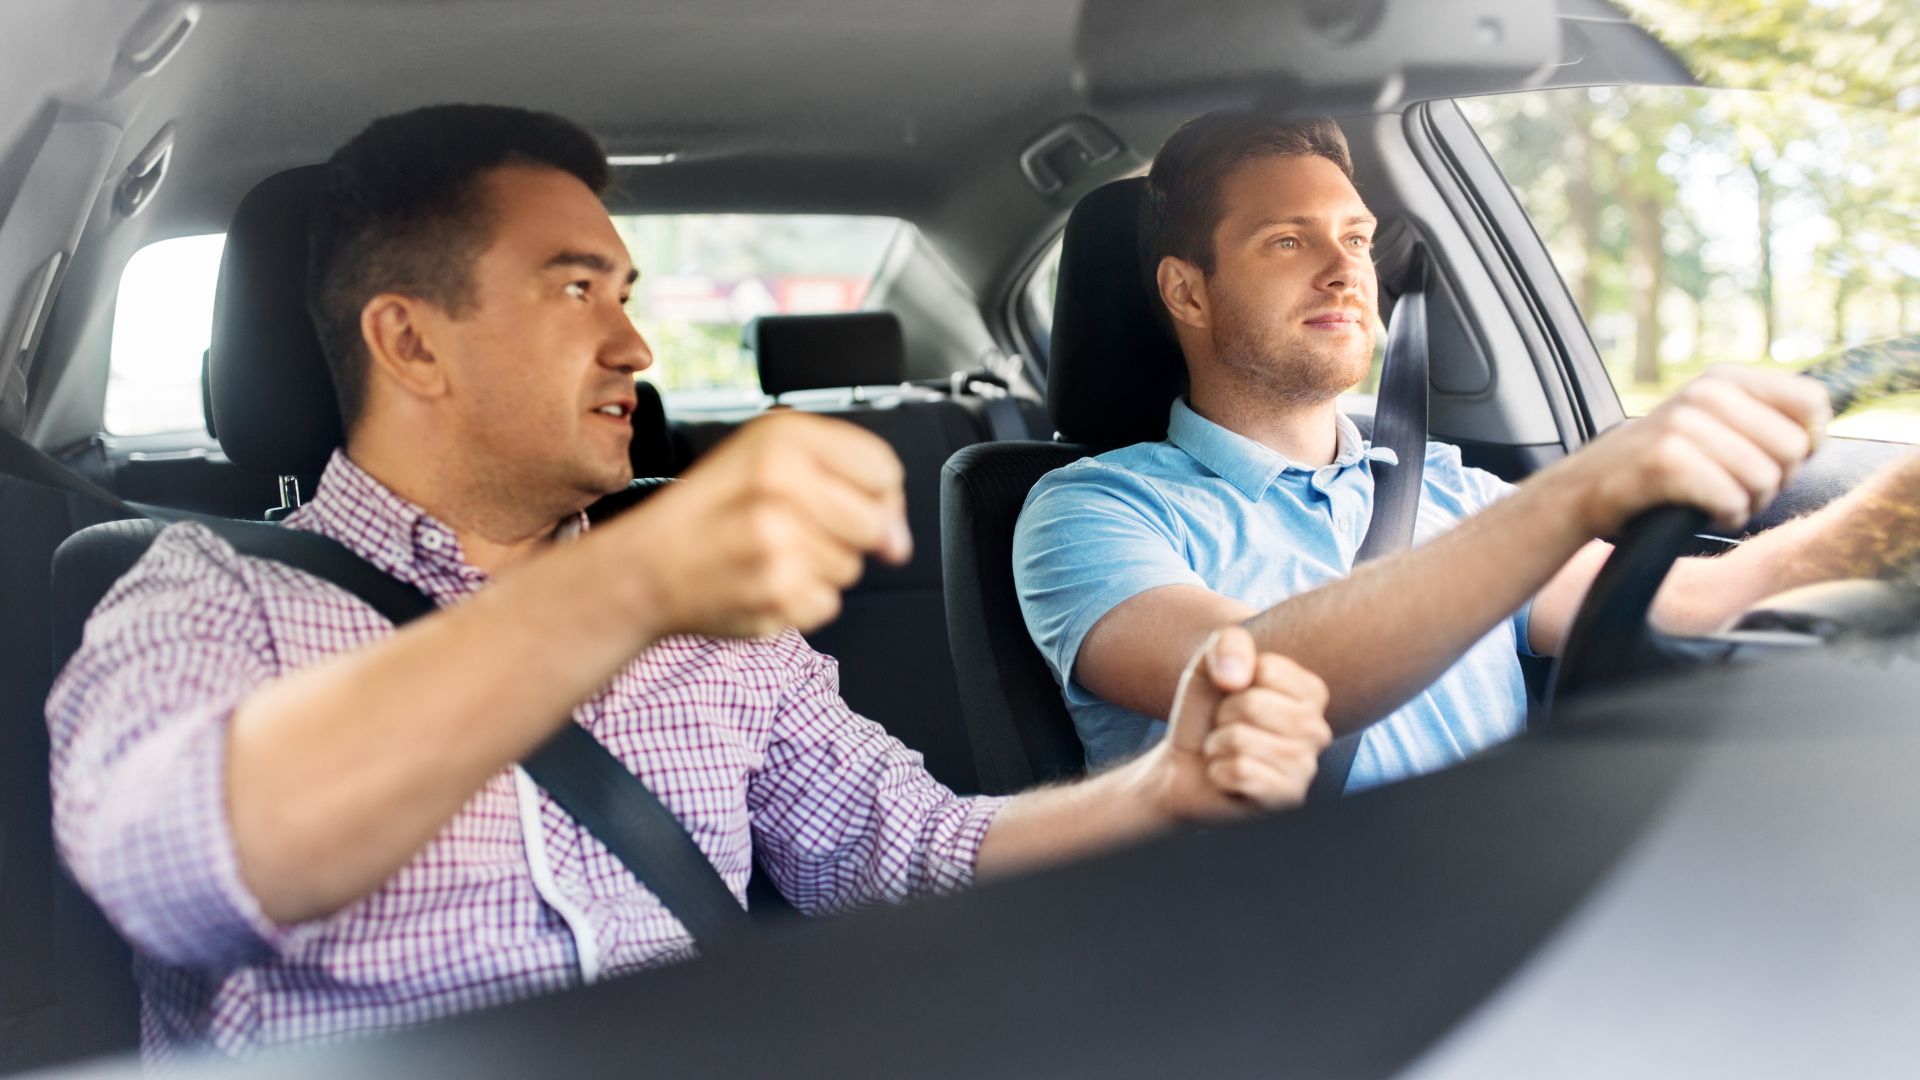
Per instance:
x=1726, y=443
x=1246, y=735
x=339, y=773
x=335, y=775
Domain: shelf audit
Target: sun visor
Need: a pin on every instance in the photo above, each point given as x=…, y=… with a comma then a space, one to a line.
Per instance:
x=1366, y=55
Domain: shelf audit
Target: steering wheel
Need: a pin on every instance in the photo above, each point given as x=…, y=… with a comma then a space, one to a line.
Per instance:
x=1612, y=637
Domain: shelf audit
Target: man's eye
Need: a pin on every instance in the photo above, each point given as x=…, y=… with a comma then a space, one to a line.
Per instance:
x=577, y=289
x=1288, y=242
x=1360, y=241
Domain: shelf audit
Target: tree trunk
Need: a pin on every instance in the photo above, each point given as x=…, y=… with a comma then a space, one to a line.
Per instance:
x=1583, y=208
x=1769, y=311
x=1649, y=282
x=1842, y=293
x=1844, y=282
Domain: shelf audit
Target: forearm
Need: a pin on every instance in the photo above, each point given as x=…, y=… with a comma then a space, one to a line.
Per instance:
x=1065, y=821
x=1395, y=625
x=339, y=773
x=1871, y=532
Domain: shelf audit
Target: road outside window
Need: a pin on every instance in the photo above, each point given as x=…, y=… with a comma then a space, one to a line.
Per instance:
x=702, y=277
x=1702, y=226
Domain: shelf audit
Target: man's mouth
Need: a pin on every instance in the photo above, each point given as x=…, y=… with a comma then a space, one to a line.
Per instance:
x=1334, y=320
x=618, y=410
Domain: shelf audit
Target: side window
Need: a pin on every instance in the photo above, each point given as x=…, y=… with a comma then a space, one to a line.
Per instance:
x=1041, y=288
x=703, y=276
x=1702, y=226
x=162, y=321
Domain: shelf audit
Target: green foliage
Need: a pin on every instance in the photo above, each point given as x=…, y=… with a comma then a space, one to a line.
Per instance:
x=1698, y=226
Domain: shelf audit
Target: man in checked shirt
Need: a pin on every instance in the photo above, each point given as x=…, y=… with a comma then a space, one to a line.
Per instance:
x=310, y=824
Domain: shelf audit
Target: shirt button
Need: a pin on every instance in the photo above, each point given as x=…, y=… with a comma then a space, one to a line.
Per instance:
x=430, y=541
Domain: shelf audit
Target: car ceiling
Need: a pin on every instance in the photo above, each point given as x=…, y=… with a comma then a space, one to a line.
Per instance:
x=912, y=108
x=878, y=106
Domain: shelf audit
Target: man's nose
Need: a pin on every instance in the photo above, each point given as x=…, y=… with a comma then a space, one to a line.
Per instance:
x=627, y=349
x=1345, y=271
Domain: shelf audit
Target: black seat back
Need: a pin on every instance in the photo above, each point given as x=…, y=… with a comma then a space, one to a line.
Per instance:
x=1016, y=722
x=1114, y=374
x=66, y=990
x=66, y=987
x=891, y=635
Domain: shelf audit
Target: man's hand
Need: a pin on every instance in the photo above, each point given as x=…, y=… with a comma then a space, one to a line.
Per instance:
x=769, y=528
x=1726, y=443
x=1246, y=733
x=1246, y=736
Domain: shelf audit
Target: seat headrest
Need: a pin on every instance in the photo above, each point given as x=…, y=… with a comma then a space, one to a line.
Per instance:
x=273, y=399
x=1114, y=368
x=817, y=352
x=651, y=451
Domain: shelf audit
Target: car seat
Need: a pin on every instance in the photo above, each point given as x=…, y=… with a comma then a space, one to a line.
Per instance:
x=1114, y=374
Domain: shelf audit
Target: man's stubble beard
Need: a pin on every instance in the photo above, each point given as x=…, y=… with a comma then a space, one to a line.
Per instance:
x=1287, y=373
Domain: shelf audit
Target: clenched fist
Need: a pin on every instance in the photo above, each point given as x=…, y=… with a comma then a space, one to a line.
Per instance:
x=1246, y=733
x=770, y=527
x=1725, y=443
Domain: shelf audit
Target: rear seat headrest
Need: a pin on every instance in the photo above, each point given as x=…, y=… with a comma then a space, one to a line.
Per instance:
x=273, y=400
x=1113, y=368
x=817, y=352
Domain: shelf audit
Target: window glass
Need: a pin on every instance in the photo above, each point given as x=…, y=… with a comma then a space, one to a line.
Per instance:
x=1041, y=288
x=162, y=321
x=1701, y=226
x=702, y=276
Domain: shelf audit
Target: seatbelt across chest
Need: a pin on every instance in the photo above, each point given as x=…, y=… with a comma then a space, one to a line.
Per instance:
x=581, y=775
x=1399, y=424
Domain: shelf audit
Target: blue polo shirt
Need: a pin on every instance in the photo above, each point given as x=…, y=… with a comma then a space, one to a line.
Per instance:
x=1211, y=508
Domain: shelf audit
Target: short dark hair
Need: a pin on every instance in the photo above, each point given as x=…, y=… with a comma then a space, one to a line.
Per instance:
x=1183, y=187
x=404, y=211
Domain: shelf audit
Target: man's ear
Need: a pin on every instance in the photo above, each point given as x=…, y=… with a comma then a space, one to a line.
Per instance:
x=398, y=331
x=1183, y=289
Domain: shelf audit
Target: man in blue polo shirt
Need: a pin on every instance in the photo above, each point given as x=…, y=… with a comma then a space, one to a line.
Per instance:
x=1252, y=508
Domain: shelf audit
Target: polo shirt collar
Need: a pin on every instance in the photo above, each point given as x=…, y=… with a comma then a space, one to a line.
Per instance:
x=1251, y=466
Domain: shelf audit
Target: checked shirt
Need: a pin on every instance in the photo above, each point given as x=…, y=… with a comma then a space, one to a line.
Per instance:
x=747, y=742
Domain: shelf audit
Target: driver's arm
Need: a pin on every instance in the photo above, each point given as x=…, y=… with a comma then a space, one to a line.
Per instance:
x=1377, y=637
x=1727, y=443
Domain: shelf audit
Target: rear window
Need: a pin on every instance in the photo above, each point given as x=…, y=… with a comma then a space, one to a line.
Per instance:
x=162, y=321
x=702, y=277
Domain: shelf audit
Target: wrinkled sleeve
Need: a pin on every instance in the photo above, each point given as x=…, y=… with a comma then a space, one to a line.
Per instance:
x=1089, y=538
x=138, y=725
x=843, y=813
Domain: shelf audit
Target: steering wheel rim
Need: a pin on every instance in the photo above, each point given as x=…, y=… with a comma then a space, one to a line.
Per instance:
x=1612, y=637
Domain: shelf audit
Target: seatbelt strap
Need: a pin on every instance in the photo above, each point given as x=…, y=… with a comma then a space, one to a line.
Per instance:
x=1004, y=420
x=1399, y=424
x=581, y=775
